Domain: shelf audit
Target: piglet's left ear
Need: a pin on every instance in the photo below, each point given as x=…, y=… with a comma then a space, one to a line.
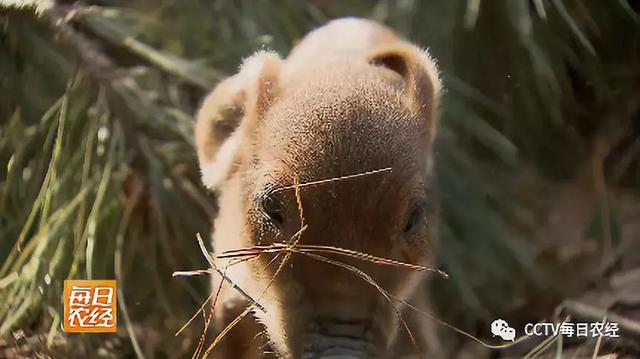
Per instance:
x=420, y=74
x=229, y=112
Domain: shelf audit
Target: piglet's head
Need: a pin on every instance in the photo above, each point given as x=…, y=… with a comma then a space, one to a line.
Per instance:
x=356, y=134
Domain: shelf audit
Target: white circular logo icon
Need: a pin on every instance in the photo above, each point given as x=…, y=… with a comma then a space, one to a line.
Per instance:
x=501, y=329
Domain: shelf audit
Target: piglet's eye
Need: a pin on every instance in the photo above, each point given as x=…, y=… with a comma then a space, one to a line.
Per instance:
x=273, y=211
x=415, y=218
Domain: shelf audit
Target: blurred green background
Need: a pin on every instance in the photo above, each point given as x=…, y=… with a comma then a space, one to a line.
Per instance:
x=538, y=150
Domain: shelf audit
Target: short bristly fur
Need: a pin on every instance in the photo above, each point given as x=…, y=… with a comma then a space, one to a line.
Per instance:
x=352, y=97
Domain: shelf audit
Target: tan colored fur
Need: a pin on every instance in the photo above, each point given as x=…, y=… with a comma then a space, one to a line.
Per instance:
x=351, y=97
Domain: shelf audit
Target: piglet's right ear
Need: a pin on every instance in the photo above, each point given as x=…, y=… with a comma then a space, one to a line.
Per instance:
x=229, y=111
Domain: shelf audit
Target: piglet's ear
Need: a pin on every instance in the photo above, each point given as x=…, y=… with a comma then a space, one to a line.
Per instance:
x=228, y=111
x=420, y=74
x=265, y=89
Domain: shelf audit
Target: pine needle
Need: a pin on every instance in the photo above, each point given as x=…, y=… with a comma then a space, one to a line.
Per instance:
x=209, y=259
x=334, y=179
x=278, y=247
